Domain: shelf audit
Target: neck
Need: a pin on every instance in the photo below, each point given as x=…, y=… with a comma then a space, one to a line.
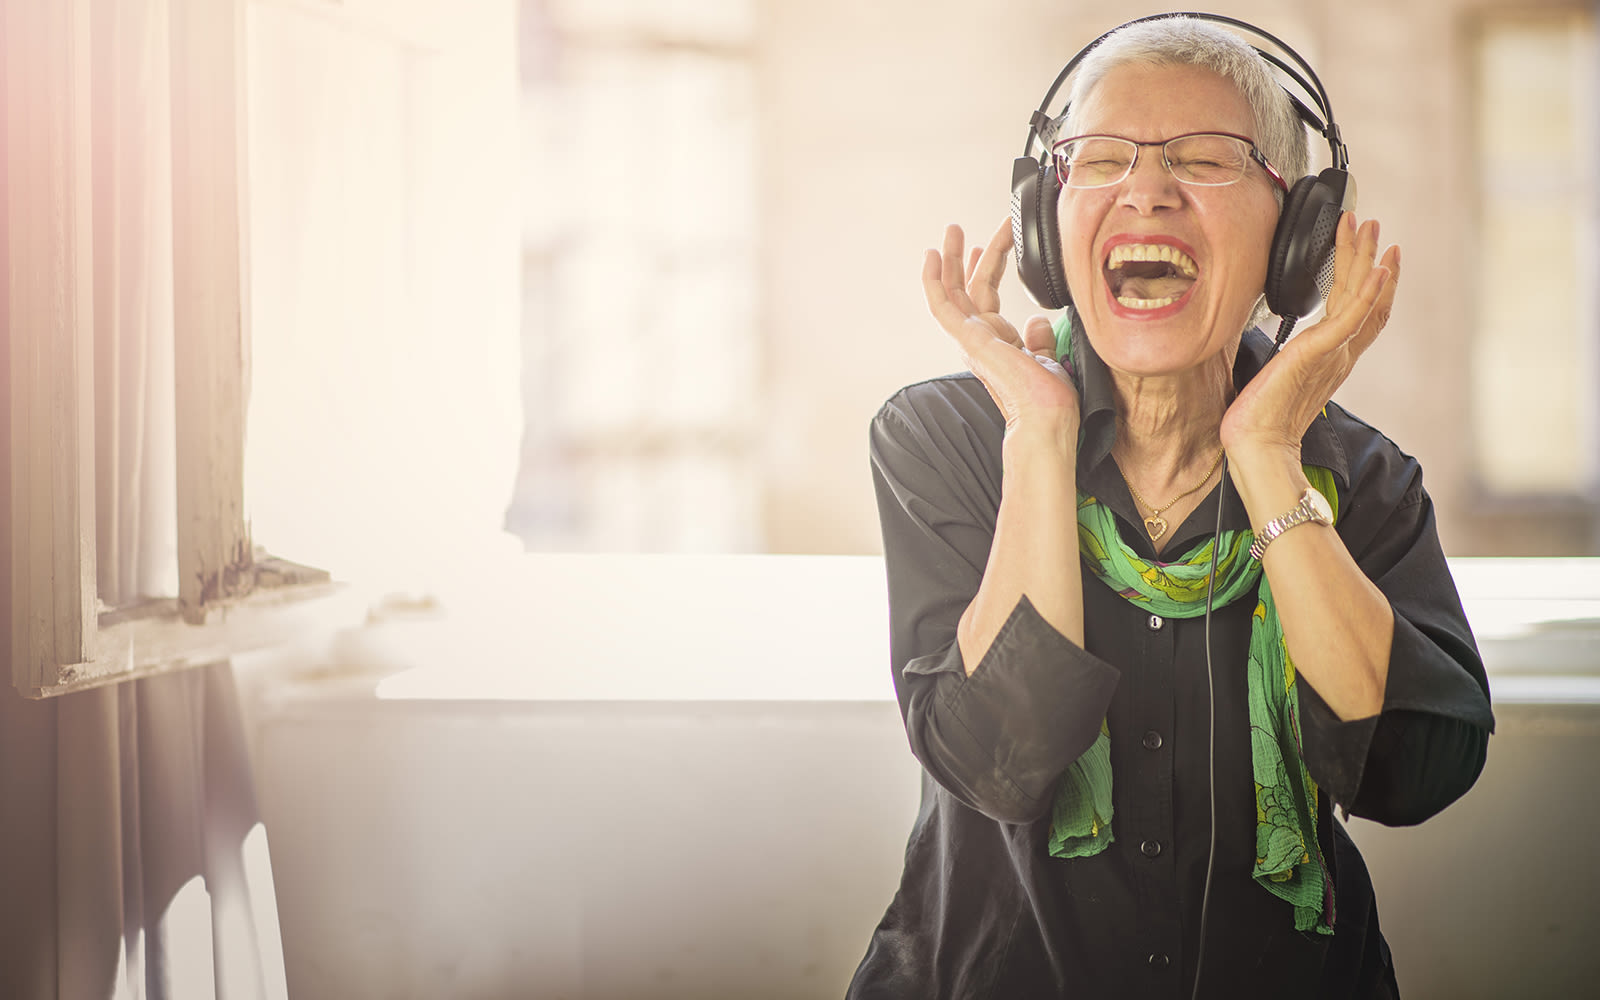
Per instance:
x=1169, y=426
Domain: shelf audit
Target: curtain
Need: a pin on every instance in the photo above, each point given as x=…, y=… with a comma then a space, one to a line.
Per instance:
x=133, y=863
x=132, y=859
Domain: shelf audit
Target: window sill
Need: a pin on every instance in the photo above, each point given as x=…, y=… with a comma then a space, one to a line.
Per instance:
x=616, y=627
x=766, y=628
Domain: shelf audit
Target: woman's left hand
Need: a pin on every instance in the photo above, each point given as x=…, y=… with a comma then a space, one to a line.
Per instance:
x=1274, y=411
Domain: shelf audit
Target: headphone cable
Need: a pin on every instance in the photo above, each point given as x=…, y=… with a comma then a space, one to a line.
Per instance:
x=1284, y=329
x=1211, y=731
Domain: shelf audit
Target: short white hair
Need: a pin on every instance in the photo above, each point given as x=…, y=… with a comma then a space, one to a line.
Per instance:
x=1187, y=41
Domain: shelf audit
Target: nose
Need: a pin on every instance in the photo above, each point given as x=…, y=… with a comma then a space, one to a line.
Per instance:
x=1150, y=185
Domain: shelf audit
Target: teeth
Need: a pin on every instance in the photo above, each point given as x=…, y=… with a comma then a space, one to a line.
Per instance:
x=1125, y=252
x=1133, y=303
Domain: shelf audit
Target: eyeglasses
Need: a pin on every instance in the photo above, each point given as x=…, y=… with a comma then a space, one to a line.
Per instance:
x=1206, y=159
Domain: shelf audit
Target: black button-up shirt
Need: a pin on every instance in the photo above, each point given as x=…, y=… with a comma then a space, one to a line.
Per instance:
x=983, y=910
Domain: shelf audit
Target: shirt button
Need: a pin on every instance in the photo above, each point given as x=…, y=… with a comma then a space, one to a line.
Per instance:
x=1157, y=961
x=1152, y=740
x=1150, y=848
x=1156, y=621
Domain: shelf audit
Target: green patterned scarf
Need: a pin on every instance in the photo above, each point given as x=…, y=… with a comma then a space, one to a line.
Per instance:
x=1289, y=861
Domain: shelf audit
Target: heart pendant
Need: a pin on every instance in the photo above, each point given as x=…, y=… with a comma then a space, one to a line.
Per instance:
x=1156, y=525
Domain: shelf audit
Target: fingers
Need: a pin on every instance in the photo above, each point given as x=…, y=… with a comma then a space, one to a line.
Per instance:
x=944, y=279
x=957, y=300
x=1039, y=337
x=1355, y=249
x=953, y=273
x=936, y=290
x=974, y=278
x=1363, y=289
x=1376, y=316
x=1369, y=283
x=972, y=332
x=989, y=267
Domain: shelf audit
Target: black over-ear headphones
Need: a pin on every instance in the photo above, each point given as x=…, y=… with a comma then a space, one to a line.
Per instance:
x=1300, y=265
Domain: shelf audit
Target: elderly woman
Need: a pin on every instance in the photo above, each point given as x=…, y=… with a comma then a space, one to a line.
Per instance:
x=1124, y=796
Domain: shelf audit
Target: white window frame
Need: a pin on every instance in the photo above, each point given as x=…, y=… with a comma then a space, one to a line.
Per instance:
x=230, y=600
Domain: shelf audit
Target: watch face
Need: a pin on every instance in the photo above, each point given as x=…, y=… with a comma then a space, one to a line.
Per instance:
x=1320, y=511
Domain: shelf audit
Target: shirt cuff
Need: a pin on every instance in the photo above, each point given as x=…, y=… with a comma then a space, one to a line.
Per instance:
x=1428, y=676
x=1424, y=683
x=1032, y=706
x=1335, y=749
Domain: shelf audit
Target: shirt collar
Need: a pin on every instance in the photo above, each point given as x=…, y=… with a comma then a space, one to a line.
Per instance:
x=1098, y=476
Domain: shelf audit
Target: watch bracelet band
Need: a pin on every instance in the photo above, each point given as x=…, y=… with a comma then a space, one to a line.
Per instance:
x=1299, y=514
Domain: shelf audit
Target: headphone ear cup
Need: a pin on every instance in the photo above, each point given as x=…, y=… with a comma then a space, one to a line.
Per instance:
x=1300, y=263
x=1035, y=235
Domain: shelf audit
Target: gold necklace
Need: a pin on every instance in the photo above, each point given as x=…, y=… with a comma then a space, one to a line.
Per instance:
x=1155, y=524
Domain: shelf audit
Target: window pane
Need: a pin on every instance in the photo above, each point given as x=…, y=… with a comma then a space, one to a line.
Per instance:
x=639, y=316
x=1534, y=362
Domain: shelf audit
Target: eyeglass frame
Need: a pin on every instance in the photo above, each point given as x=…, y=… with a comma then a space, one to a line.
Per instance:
x=1063, y=166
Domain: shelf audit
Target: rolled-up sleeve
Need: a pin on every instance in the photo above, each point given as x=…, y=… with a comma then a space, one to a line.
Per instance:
x=999, y=738
x=1428, y=744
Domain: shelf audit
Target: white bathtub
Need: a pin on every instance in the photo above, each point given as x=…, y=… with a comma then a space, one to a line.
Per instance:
x=599, y=777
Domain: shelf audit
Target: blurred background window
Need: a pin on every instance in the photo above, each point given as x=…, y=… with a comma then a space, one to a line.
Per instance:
x=641, y=355
x=1536, y=347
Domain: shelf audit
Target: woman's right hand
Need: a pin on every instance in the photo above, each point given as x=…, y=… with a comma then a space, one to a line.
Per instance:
x=1020, y=371
x=1033, y=551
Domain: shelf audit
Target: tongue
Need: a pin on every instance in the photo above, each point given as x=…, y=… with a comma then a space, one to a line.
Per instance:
x=1154, y=288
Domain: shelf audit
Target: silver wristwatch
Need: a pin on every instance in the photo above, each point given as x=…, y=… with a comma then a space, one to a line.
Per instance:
x=1313, y=506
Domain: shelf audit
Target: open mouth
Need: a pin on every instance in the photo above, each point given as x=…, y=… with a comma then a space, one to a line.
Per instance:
x=1149, y=275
